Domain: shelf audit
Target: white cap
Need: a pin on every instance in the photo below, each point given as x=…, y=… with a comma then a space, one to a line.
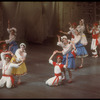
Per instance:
x=23, y=44
x=13, y=28
x=63, y=37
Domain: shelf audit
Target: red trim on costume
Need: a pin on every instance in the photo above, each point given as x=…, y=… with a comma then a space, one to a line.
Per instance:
x=58, y=74
x=57, y=78
x=1, y=51
x=8, y=56
x=74, y=54
x=60, y=56
x=54, y=63
x=72, y=36
x=95, y=36
x=11, y=77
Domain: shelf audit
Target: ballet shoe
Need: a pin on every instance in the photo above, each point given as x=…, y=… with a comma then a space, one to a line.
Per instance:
x=19, y=82
x=69, y=81
x=80, y=67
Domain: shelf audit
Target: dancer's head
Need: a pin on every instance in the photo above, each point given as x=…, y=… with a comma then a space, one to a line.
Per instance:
x=64, y=39
x=59, y=59
x=8, y=58
x=81, y=22
x=95, y=25
x=22, y=46
x=13, y=31
x=74, y=25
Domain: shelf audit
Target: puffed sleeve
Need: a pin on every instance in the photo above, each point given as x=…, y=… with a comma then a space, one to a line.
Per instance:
x=60, y=44
x=15, y=65
x=8, y=30
x=10, y=39
x=51, y=62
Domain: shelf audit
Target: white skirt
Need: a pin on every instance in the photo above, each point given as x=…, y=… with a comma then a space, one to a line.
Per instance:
x=84, y=39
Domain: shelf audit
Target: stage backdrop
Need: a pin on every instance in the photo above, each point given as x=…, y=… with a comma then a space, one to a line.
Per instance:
x=35, y=21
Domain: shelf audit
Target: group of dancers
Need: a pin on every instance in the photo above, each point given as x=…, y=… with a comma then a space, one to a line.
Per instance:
x=71, y=49
x=12, y=60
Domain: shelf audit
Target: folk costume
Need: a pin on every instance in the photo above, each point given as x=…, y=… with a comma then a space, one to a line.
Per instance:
x=58, y=69
x=22, y=69
x=13, y=46
x=7, y=77
x=81, y=29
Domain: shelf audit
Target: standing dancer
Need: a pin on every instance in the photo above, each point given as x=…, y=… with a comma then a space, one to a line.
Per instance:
x=4, y=49
x=20, y=55
x=7, y=69
x=95, y=35
x=58, y=69
x=12, y=37
x=81, y=29
x=71, y=30
x=70, y=52
x=81, y=51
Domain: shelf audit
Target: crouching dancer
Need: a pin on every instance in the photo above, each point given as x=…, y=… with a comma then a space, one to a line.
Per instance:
x=7, y=77
x=58, y=69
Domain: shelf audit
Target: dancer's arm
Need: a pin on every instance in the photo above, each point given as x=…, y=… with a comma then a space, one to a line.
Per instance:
x=51, y=57
x=88, y=29
x=8, y=24
x=15, y=65
x=59, y=43
x=63, y=32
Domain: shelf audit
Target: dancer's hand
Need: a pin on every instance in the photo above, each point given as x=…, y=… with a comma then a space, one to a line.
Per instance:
x=55, y=52
x=61, y=31
x=58, y=36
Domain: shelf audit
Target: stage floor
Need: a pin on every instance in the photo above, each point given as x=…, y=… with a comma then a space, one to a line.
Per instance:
x=86, y=81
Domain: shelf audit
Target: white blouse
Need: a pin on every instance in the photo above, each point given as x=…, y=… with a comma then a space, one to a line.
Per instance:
x=6, y=69
x=19, y=55
x=66, y=48
x=11, y=37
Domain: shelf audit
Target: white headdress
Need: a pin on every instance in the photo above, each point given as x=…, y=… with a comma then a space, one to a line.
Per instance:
x=23, y=44
x=63, y=37
x=13, y=28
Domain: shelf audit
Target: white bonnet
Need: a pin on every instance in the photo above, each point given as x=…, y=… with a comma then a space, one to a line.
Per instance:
x=13, y=28
x=63, y=37
x=23, y=44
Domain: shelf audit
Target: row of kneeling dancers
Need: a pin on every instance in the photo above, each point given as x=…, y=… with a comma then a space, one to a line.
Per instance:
x=12, y=60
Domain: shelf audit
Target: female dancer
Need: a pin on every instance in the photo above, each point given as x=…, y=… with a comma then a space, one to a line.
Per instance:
x=20, y=55
x=69, y=52
x=81, y=51
x=81, y=29
x=12, y=37
x=71, y=30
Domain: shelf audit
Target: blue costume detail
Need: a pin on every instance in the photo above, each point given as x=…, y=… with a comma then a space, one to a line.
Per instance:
x=81, y=51
x=71, y=60
x=14, y=46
